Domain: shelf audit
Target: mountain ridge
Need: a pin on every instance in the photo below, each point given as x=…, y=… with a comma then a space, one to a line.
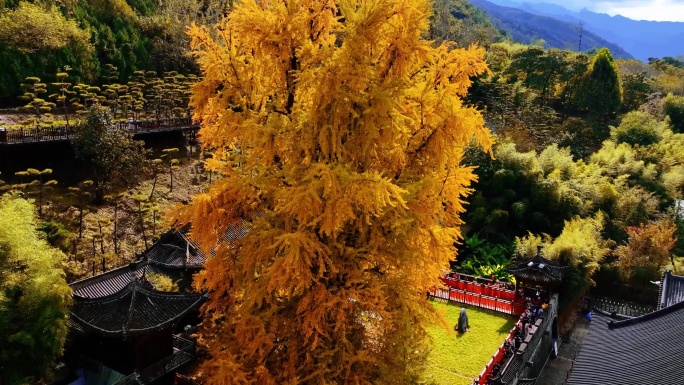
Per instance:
x=644, y=39
x=525, y=27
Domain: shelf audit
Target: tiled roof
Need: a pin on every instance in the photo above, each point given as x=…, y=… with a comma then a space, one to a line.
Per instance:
x=108, y=283
x=235, y=232
x=174, y=250
x=637, y=351
x=672, y=290
x=134, y=310
x=539, y=269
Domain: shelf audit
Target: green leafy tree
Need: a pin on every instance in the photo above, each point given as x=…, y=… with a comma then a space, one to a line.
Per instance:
x=601, y=92
x=34, y=296
x=115, y=159
x=673, y=106
x=36, y=39
x=637, y=128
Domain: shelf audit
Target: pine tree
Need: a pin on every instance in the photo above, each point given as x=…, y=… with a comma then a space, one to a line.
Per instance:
x=338, y=131
x=601, y=92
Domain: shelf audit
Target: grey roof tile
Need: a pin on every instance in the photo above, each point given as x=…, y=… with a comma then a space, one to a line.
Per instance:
x=134, y=310
x=637, y=351
x=672, y=288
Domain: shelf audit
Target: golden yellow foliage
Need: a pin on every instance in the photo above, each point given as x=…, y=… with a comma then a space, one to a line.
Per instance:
x=339, y=133
x=647, y=250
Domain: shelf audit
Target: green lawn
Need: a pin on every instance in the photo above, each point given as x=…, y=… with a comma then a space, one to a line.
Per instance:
x=458, y=359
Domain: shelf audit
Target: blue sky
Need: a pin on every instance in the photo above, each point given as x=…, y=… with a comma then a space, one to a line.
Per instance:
x=661, y=10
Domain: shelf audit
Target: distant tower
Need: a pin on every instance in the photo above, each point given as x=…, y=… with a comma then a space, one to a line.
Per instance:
x=581, y=29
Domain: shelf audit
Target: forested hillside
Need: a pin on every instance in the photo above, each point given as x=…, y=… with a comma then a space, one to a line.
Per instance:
x=528, y=28
x=461, y=22
x=635, y=36
x=43, y=37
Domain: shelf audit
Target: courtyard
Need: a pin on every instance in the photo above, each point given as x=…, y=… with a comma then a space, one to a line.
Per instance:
x=458, y=359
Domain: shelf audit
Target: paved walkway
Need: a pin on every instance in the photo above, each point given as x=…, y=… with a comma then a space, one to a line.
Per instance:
x=556, y=370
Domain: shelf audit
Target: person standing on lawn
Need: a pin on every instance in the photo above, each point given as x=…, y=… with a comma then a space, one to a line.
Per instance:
x=462, y=325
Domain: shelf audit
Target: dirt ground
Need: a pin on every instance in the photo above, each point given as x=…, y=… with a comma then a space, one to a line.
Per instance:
x=135, y=228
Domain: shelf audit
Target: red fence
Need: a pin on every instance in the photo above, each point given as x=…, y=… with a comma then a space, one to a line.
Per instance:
x=480, y=293
x=497, y=358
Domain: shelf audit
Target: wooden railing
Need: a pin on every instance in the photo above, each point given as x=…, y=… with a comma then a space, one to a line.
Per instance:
x=49, y=134
x=619, y=308
x=184, y=352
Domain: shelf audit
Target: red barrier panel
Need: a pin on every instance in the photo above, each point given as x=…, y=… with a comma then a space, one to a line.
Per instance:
x=477, y=288
x=495, y=292
x=469, y=286
x=518, y=308
x=460, y=296
x=498, y=356
x=504, y=306
x=468, y=298
x=509, y=295
x=487, y=290
x=460, y=285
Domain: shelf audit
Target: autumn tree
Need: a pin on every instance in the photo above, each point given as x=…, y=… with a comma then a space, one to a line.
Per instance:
x=37, y=106
x=34, y=296
x=646, y=252
x=64, y=94
x=338, y=131
x=37, y=186
x=168, y=157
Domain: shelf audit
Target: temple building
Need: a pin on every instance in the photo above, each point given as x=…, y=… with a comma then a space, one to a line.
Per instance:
x=124, y=328
x=638, y=350
x=641, y=350
x=671, y=290
x=539, y=272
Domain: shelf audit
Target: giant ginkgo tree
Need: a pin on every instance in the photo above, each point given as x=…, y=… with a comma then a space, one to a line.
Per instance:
x=339, y=132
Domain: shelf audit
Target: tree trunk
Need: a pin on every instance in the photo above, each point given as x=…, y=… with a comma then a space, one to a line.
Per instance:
x=80, y=221
x=116, y=217
x=40, y=200
x=99, y=224
x=154, y=184
x=142, y=224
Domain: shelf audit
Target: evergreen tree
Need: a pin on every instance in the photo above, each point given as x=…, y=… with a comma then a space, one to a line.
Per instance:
x=601, y=92
x=114, y=157
x=339, y=132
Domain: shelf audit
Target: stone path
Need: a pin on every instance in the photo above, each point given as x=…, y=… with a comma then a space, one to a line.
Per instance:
x=556, y=370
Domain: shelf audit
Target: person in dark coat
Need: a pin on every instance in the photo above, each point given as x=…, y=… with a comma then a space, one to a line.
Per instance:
x=462, y=325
